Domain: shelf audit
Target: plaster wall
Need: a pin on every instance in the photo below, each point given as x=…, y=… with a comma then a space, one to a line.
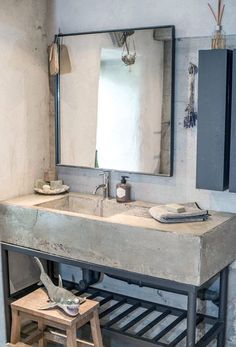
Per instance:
x=24, y=131
x=191, y=17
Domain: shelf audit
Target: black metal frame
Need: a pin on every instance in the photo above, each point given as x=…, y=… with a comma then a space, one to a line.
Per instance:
x=218, y=324
x=57, y=99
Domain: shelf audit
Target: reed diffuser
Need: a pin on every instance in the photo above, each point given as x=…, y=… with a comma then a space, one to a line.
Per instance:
x=218, y=40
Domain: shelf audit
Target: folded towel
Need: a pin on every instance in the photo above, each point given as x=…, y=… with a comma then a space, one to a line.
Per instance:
x=192, y=214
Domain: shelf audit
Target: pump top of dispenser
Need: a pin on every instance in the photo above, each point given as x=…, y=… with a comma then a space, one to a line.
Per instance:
x=124, y=179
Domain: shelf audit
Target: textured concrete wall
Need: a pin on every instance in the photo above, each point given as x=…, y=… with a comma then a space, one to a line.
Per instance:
x=24, y=132
x=191, y=17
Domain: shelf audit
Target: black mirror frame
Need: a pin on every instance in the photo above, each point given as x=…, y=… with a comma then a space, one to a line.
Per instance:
x=57, y=101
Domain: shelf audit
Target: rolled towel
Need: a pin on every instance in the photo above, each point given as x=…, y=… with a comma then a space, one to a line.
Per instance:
x=192, y=214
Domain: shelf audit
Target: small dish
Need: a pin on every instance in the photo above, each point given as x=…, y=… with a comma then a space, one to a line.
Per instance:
x=58, y=191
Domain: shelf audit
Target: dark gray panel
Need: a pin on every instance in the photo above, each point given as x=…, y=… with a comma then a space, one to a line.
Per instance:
x=232, y=175
x=213, y=140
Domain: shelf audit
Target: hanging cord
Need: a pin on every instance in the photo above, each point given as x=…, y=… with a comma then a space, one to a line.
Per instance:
x=191, y=115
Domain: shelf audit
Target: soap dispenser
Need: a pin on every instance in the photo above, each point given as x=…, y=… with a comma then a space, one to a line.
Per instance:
x=123, y=190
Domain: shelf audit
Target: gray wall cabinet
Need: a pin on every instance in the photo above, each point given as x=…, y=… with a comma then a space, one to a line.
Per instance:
x=214, y=111
x=232, y=175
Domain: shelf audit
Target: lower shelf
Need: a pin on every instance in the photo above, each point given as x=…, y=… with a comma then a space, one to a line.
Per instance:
x=146, y=323
x=154, y=324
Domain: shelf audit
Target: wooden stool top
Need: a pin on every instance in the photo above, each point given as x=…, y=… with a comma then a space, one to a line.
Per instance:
x=31, y=304
x=19, y=344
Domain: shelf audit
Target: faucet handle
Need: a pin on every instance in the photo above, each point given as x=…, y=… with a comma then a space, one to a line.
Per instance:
x=106, y=175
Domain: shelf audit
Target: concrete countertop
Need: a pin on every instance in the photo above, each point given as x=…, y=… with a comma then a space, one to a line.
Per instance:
x=194, y=229
x=189, y=253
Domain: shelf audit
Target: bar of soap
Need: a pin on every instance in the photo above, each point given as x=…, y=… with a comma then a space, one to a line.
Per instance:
x=56, y=184
x=39, y=184
x=175, y=208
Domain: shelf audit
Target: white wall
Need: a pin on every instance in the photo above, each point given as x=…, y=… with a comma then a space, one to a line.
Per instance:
x=24, y=109
x=191, y=17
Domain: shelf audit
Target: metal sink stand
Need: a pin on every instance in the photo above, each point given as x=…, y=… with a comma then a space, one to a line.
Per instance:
x=218, y=324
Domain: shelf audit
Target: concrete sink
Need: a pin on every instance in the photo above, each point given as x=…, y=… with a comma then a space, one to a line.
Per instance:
x=122, y=236
x=87, y=204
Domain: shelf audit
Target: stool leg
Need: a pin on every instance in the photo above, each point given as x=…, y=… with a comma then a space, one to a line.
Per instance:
x=71, y=337
x=16, y=326
x=96, y=331
x=41, y=327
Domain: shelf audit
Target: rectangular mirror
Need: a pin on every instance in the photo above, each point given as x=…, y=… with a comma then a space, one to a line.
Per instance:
x=114, y=100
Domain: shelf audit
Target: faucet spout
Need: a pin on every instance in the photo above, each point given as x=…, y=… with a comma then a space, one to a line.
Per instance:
x=104, y=186
x=97, y=188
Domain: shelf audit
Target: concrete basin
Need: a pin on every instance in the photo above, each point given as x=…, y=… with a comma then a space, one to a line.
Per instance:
x=127, y=239
x=87, y=204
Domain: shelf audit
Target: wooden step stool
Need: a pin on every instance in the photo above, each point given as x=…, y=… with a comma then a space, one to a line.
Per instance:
x=29, y=307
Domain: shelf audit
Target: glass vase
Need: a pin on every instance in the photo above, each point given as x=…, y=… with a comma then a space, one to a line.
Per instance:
x=218, y=40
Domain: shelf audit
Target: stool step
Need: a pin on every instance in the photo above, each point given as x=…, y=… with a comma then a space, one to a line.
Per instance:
x=59, y=337
x=19, y=344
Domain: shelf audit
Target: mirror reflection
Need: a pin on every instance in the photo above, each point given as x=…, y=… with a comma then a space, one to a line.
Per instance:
x=115, y=100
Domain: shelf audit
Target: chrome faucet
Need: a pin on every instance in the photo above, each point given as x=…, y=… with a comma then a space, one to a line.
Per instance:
x=104, y=186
